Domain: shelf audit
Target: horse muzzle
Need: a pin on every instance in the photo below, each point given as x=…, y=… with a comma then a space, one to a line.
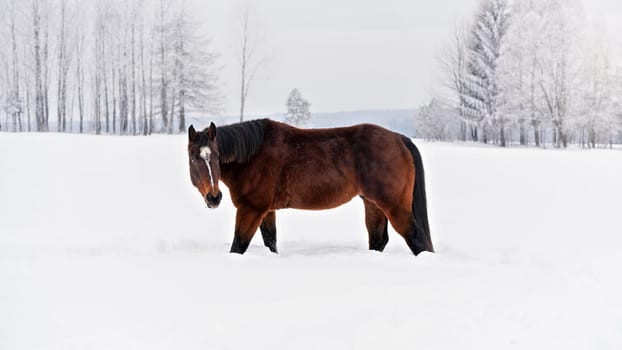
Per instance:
x=213, y=202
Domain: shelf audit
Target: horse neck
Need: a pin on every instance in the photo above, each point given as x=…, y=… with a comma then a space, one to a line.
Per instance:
x=227, y=170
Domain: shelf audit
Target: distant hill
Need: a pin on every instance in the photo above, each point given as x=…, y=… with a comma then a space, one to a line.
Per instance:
x=401, y=120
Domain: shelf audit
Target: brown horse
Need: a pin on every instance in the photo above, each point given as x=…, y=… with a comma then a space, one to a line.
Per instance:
x=269, y=166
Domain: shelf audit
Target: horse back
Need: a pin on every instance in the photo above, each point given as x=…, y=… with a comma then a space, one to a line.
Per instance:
x=324, y=168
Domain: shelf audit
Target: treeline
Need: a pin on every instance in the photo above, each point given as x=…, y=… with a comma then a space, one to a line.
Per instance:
x=103, y=66
x=530, y=72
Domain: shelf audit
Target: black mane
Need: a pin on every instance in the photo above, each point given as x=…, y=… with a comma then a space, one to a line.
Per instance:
x=237, y=143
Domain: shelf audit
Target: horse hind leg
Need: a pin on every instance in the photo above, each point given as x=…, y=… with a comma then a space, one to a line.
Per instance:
x=268, y=231
x=377, y=225
x=405, y=224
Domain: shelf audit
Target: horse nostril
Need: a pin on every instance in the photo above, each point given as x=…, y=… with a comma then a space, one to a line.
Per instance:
x=214, y=200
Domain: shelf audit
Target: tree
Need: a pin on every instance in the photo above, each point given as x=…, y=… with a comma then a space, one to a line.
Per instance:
x=13, y=101
x=453, y=62
x=40, y=53
x=100, y=61
x=297, y=109
x=195, y=75
x=249, y=59
x=599, y=123
x=482, y=92
x=64, y=61
x=437, y=122
x=558, y=67
x=164, y=78
x=519, y=69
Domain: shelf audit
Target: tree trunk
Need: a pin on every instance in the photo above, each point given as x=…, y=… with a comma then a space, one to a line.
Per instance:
x=151, y=54
x=523, y=133
x=113, y=71
x=145, y=126
x=105, y=79
x=27, y=91
x=133, y=91
x=60, y=105
x=163, y=82
x=536, y=134
x=46, y=71
x=39, y=112
x=80, y=82
x=502, y=140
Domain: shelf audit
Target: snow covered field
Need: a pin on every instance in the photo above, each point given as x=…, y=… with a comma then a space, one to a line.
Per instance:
x=105, y=244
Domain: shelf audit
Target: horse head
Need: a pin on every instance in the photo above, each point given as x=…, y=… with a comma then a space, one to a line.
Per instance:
x=204, y=164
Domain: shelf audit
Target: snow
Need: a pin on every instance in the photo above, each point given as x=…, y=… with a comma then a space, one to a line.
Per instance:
x=105, y=244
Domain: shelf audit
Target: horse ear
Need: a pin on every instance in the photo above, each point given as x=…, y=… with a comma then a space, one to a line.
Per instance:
x=192, y=134
x=211, y=131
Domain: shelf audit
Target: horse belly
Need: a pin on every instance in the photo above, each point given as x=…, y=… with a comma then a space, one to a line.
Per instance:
x=320, y=190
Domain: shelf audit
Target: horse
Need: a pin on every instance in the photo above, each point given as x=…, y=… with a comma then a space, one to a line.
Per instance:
x=268, y=165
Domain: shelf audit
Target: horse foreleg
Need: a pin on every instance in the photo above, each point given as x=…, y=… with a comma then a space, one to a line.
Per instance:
x=376, y=223
x=246, y=223
x=268, y=231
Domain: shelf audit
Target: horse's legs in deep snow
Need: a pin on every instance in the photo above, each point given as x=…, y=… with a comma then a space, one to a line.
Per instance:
x=403, y=222
x=247, y=222
x=268, y=231
x=376, y=223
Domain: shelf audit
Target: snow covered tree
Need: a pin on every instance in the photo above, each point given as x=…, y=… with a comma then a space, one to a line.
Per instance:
x=437, y=122
x=598, y=116
x=41, y=53
x=195, y=75
x=481, y=94
x=558, y=66
x=453, y=62
x=64, y=58
x=297, y=109
x=521, y=68
x=11, y=102
x=96, y=57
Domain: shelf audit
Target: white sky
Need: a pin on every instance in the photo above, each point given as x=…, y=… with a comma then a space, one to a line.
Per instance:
x=346, y=54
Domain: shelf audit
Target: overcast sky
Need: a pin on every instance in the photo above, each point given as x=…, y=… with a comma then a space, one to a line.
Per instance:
x=345, y=55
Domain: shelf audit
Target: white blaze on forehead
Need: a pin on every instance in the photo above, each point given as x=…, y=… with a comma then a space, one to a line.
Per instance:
x=205, y=153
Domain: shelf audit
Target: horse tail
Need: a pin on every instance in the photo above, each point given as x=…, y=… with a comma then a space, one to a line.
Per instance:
x=419, y=204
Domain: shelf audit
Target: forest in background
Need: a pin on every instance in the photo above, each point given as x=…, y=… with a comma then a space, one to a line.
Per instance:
x=103, y=66
x=528, y=72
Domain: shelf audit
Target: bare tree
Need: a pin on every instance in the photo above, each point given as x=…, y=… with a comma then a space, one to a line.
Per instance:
x=96, y=56
x=134, y=14
x=453, y=62
x=151, y=87
x=248, y=56
x=164, y=79
x=14, y=104
x=80, y=78
x=26, y=68
x=64, y=61
x=144, y=125
x=39, y=58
